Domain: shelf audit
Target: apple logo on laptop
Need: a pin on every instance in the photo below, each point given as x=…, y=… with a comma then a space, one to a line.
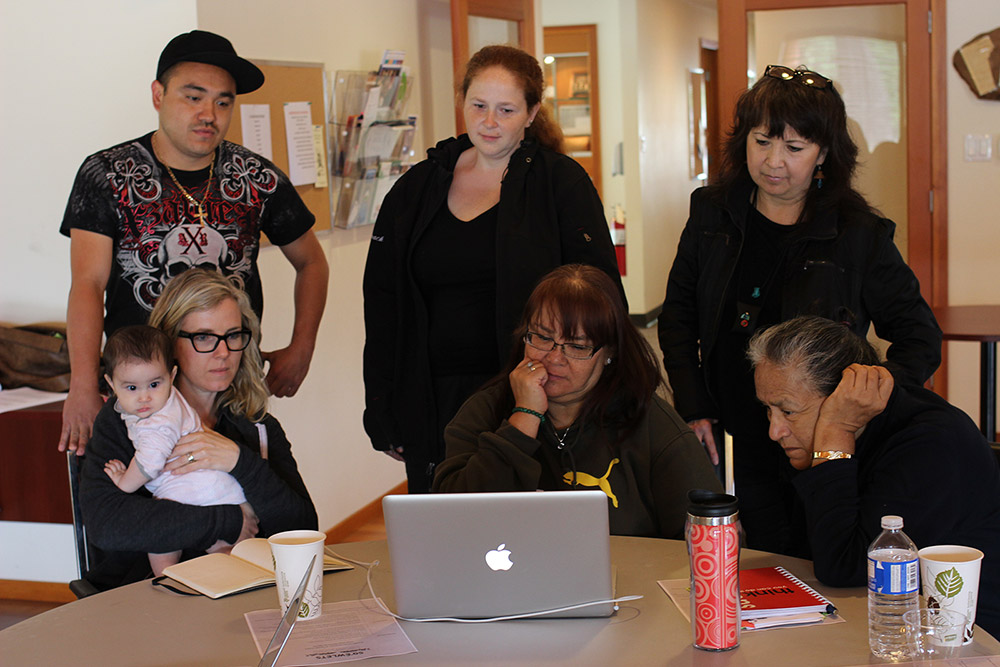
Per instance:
x=499, y=558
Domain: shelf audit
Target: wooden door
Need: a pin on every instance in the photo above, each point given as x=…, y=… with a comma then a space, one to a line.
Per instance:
x=573, y=94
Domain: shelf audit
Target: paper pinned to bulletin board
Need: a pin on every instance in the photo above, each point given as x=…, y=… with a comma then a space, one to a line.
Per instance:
x=304, y=85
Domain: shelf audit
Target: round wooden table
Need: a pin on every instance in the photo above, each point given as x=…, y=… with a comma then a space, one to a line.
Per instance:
x=141, y=625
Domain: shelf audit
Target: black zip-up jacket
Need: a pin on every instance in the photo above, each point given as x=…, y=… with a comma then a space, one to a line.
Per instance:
x=549, y=214
x=835, y=263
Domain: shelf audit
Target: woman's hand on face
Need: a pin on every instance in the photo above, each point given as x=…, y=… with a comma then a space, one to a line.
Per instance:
x=203, y=450
x=862, y=394
x=527, y=382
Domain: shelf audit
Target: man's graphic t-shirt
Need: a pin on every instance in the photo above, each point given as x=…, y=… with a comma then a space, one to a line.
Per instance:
x=125, y=193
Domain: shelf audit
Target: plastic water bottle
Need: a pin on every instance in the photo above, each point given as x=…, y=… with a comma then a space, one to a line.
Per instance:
x=893, y=588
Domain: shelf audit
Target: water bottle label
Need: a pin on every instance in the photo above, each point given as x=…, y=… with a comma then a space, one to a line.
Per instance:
x=891, y=578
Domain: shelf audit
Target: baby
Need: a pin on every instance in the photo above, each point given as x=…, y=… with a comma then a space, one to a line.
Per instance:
x=140, y=369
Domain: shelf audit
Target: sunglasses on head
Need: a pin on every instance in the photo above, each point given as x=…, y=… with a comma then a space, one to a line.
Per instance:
x=802, y=75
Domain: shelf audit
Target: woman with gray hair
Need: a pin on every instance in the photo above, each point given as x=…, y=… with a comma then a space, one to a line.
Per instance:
x=820, y=348
x=865, y=447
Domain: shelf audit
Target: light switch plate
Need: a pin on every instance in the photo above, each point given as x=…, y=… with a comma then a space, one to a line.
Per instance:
x=978, y=147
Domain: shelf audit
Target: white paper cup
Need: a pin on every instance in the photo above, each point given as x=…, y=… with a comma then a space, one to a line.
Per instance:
x=949, y=579
x=292, y=551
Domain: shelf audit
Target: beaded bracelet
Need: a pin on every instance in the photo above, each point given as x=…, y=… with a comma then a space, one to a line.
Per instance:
x=540, y=416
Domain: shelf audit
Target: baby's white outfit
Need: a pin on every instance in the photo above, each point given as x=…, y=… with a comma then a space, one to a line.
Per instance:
x=154, y=438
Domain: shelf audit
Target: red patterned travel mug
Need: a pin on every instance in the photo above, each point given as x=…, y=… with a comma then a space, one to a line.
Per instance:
x=712, y=531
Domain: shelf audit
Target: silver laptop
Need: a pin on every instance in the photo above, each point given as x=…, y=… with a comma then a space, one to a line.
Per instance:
x=483, y=555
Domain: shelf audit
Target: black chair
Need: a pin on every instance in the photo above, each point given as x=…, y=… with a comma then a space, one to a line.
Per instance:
x=996, y=450
x=81, y=588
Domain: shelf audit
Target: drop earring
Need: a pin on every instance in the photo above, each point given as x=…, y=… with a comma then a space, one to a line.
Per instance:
x=818, y=176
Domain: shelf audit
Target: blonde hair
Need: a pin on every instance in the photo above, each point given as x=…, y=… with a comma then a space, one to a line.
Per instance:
x=197, y=290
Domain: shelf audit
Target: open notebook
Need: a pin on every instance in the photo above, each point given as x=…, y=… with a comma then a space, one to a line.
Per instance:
x=248, y=566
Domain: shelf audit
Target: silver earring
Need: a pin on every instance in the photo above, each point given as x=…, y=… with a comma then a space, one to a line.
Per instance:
x=607, y=362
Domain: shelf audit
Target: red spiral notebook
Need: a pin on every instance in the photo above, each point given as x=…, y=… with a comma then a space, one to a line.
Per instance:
x=774, y=591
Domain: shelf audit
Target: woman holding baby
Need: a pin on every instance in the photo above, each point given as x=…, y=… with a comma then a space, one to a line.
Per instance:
x=219, y=373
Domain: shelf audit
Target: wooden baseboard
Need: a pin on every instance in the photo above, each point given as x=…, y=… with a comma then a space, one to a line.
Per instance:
x=40, y=591
x=364, y=516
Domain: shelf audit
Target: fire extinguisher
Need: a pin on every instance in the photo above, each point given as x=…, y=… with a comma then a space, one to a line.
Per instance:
x=618, y=236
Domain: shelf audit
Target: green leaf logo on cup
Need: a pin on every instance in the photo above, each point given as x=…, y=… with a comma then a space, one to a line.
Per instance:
x=948, y=583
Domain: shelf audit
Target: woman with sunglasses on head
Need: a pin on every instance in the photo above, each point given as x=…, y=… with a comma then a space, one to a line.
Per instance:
x=576, y=408
x=215, y=334
x=781, y=232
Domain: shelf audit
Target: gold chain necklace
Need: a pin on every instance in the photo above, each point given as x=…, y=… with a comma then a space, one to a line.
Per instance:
x=201, y=215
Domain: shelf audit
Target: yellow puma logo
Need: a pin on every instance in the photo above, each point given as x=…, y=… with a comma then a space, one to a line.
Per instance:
x=584, y=479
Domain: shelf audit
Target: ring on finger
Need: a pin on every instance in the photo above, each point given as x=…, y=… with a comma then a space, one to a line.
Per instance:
x=191, y=458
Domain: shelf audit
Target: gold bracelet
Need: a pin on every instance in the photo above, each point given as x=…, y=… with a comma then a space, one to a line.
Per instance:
x=830, y=456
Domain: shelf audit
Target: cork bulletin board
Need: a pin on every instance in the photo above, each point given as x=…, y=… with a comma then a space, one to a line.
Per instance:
x=290, y=82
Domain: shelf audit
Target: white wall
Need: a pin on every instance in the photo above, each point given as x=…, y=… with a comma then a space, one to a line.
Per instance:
x=973, y=199
x=666, y=35
x=76, y=79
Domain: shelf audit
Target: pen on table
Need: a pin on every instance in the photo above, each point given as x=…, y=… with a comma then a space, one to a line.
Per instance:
x=830, y=609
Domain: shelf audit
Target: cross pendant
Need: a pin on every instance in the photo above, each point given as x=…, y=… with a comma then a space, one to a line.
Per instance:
x=201, y=215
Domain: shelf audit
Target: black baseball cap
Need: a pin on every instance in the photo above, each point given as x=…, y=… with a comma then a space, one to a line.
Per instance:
x=199, y=46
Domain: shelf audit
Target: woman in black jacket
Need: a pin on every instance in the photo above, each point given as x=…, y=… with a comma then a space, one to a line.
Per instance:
x=459, y=243
x=225, y=385
x=781, y=233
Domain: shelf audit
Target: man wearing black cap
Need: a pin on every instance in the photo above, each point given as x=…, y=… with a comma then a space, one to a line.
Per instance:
x=179, y=197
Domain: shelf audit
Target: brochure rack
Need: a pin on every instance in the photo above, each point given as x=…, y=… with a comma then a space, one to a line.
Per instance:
x=372, y=140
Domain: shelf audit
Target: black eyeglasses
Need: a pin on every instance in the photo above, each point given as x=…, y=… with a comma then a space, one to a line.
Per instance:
x=571, y=350
x=804, y=76
x=208, y=342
